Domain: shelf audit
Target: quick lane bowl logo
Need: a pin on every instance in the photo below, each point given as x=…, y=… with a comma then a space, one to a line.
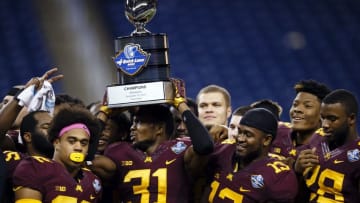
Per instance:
x=178, y=147
x=353, y=155
x=132, y=59
x=257, y=181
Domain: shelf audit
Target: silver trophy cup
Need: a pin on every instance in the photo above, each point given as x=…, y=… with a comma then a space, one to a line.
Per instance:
x=139, y=13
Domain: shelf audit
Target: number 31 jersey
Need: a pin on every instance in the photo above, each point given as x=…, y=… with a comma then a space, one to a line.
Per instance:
x=158, y=177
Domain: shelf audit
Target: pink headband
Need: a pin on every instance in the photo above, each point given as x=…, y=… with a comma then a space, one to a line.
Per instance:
x=74, y=126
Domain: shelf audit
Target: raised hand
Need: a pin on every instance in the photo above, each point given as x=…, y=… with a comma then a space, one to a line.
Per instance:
x=39, y=81
x=179, y=90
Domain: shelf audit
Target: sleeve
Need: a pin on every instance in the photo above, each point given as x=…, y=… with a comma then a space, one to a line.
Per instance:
x=284, y=186
x=32, y=174
x=2, y=173
x=200, y=138
x=27, y=201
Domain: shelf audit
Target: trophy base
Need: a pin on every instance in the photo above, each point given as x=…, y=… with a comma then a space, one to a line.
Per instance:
x=140, y=94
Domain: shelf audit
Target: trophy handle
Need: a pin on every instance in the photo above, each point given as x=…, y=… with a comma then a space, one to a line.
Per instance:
x=140, y=29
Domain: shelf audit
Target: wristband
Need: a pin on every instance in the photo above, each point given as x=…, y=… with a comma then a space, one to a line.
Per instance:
x=178, y=101
x=105, y=109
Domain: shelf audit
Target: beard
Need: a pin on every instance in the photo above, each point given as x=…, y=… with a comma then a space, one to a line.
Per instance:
x=42, y=145
x=143, y=145
x=249, y=156
x=338, y=138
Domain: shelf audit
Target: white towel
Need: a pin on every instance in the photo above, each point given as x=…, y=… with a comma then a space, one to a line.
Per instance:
x=26, y=95
x=44, y=99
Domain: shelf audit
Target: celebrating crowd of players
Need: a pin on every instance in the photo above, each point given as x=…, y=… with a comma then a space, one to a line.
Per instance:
x=184, y=151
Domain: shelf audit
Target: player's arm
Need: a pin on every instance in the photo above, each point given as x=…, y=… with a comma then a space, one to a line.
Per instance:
x=7, y=118
x=279, y=182
x=10, y=112
x=202, y=144
x=27, y=195
x=103, y=167
x=200, y=138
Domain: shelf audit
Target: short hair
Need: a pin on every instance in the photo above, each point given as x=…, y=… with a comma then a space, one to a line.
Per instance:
x=316, y=88
x=241, y=110
x=215, y=88
x=15, y=89
x=29, y=122
x=158, y=113
x=345, y=97
x=70, y=115
x=66, y=98
x=123, y=123
x=270, y=105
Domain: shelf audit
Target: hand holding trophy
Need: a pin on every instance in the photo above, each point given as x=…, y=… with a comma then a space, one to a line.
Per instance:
x=179, y=91
x=142, y=61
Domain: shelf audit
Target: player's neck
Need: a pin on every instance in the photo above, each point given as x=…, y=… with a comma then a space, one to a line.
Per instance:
x=352, y=136
x=153, y=147
x=246, y=161
x=302, y=137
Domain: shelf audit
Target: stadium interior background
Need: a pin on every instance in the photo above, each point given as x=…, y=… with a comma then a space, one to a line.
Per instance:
x=256, y=49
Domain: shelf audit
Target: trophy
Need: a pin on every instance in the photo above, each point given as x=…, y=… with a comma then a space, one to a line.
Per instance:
x=142, y=61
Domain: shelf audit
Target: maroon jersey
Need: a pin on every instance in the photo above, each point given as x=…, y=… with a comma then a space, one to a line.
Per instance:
x=55, y=183
x=157, y=177
x=263, y=180
x=284, y=143
x=12, y=159
x=14, y=135
x=336, y=178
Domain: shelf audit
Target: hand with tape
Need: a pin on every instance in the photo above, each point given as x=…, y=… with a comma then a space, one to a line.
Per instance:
x=179, y=90
x=105, y=111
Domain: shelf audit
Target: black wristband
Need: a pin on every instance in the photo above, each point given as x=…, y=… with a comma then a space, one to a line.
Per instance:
x=200, y=138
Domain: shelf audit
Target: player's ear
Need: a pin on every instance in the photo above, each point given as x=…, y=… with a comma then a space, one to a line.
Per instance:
x=159, y=129
x=228, y=112
x=56, y=144
x=352, y=119
x=27, y=137
x=268, y=139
